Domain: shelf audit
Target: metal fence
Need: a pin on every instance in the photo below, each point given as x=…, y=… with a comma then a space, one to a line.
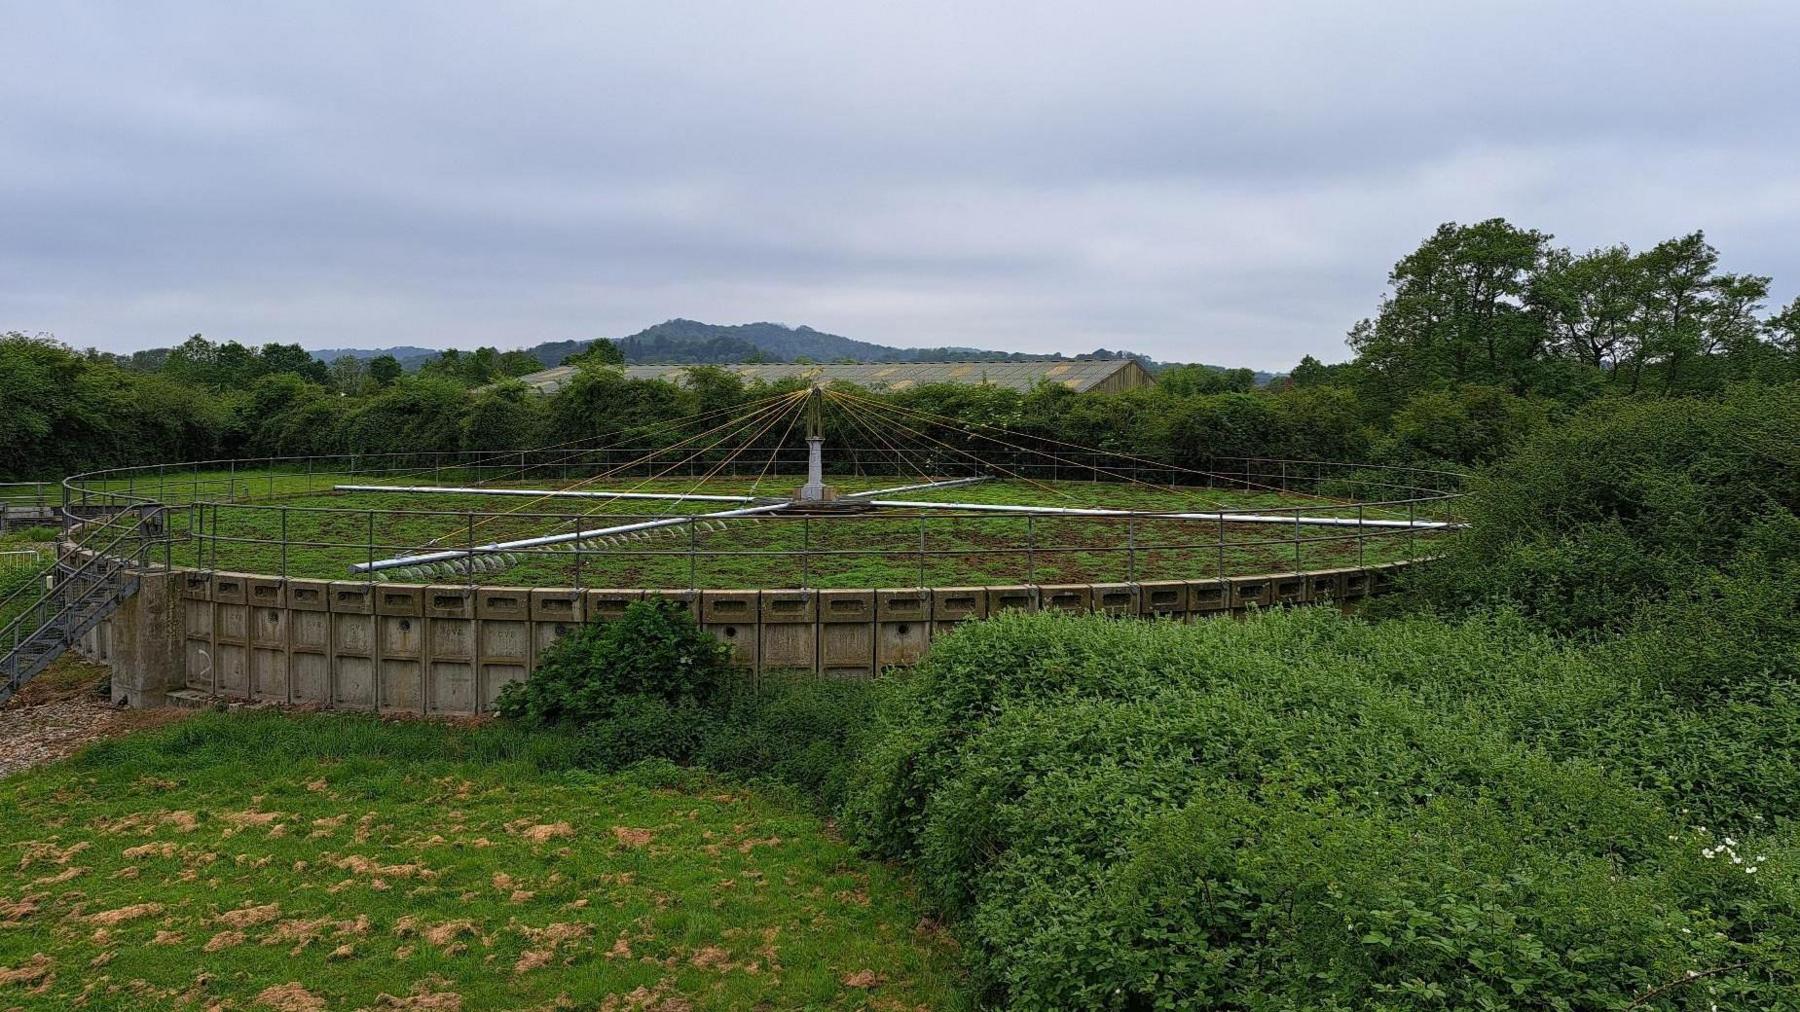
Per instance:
x=251, y=516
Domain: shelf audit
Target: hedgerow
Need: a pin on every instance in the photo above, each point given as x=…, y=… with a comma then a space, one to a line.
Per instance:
x=1308, y=811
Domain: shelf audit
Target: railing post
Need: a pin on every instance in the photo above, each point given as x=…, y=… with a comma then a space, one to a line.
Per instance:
x=284, y=543
x=574, y=528
x=1298, y=565
x=693, y=550
x=1362, y=541
x=805, y=551
x=369, y=573
x=1030, y=549
x=1130, y=549
x=921, y=548
x=470, y=558
x=1221, y=546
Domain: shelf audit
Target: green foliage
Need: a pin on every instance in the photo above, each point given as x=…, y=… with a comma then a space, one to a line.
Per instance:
x=639, y=726
x=1305, y=811
x=1625, y=503
x=654, y=649
x=799, y=730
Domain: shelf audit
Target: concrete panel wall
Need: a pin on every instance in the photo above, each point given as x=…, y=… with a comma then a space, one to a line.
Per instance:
x=449, y=650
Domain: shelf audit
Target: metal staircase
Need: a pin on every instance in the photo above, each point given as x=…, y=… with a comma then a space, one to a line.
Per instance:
x=51, y=612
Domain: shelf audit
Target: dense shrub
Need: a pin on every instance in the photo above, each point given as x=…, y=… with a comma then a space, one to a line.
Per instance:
x=640, y=727
x=654, y=649
x=1308, y=811
x=1628, y=502
x=799, y=730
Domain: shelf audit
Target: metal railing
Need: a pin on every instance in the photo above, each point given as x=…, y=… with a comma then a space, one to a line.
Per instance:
x=46, y=615
x=257, y=516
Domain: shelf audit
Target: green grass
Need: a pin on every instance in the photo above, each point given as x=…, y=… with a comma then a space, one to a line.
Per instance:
x=208, y=861
x=327, y=533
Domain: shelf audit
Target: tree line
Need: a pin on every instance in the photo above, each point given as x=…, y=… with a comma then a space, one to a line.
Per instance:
x=1487, y=333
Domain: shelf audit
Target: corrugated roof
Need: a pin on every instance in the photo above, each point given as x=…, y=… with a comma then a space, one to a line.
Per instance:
x=1077, y=376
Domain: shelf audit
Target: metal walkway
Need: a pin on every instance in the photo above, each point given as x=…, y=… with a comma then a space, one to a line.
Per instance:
x=64, y=601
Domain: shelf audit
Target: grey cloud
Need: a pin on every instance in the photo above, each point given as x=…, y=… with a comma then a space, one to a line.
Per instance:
x=1197, y=181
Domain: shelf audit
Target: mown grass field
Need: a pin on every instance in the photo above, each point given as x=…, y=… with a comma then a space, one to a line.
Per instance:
x=326, y=533
x=311, y=862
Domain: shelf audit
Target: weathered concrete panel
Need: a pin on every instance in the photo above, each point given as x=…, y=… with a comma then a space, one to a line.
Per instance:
x=402, y=600
x=1206, y=596
x=309, y=679
x=230, y=623
x=452, y=689
x=268, y=627
x=269, y=675
x=903, y=626
x=451, y=639
x=353, y=635
x=609, y=605
x=952, y=605
x=1116, y=598
x=789, y=629
x=197, y=664
x=1166, y=598
x=449, y=602
x=503, y=603
x=309, y=631
x=1071, y=597
x=1019, y=598
x=1288, y=589
x=309, y=595
x=504, y=641
x=197, y=618
x=264, y=592
x=352, y=598
x=847, y=648
x=354, y=686
x=233, y=667
x=688, y=598
x=228, y=588
x=401, y=637
x=555, y=612
x=1325, y=585
x=1250, y=590
x=495, y=677
x=401, y=688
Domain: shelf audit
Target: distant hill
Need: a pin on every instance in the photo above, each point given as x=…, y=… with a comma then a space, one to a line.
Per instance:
x=410, y=356
x=685, y=342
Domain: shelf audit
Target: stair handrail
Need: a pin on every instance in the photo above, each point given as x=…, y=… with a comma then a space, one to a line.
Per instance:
x=9, y=633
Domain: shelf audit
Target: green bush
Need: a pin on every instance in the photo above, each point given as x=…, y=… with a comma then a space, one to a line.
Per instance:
x=1628, y=502
x=643, y=727
x=799, y=730
x=654, y=649
x=1306, y=811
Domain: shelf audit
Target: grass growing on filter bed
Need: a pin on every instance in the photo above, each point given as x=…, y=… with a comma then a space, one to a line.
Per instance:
x=326, y=534
x=326, y=861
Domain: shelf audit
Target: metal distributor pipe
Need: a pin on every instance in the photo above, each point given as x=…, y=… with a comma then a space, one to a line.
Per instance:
x=555, y=539
x=539, y=493
x=1232, y=518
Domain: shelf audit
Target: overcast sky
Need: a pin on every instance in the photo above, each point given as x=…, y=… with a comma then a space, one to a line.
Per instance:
x=1197, y=181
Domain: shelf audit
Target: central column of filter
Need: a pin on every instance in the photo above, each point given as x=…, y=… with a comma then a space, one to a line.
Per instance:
x=815, y=489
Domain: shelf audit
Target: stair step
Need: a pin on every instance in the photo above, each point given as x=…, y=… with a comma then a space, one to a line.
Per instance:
x=190, y=699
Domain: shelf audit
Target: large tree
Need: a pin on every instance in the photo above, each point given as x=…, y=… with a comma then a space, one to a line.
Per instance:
x=1455, y=312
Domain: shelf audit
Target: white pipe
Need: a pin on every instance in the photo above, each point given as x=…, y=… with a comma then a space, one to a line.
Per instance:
x=1231, y=518
x=555, y=539
x=450, y=489
x=949, y=483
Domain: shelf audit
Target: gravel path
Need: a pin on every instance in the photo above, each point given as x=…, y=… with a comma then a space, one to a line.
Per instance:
x=31, y=735
x=61, y=710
